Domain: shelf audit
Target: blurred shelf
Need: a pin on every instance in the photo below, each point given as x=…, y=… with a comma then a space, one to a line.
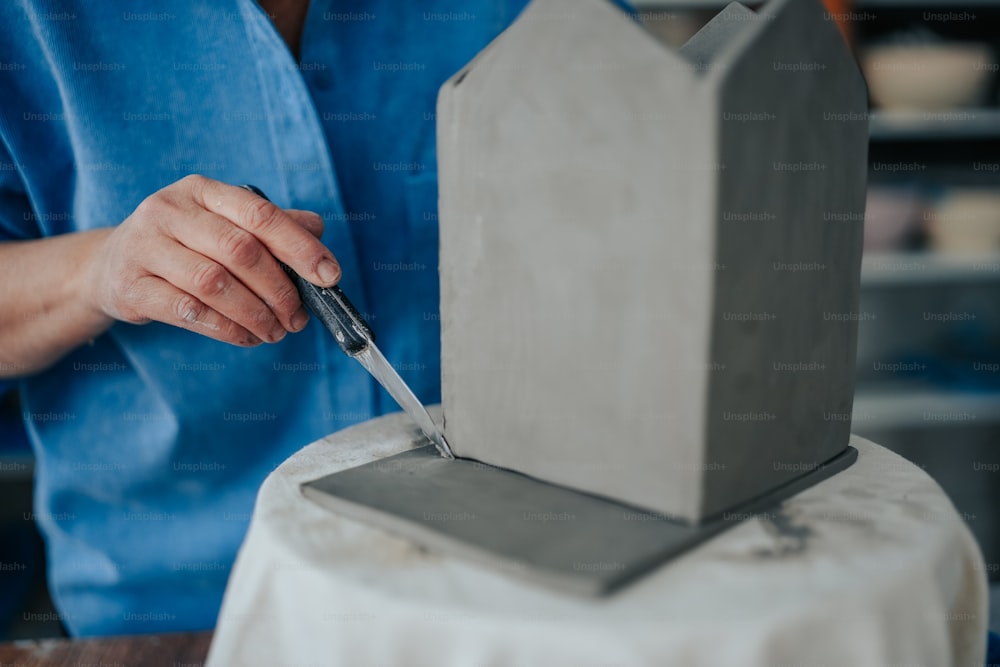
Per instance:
x=935, y=125
x=927, y=268
x=885, y=409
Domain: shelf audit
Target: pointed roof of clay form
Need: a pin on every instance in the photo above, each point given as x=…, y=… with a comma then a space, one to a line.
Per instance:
x=708, y=56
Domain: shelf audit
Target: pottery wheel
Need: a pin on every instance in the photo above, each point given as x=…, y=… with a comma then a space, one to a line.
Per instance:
x=871, y=567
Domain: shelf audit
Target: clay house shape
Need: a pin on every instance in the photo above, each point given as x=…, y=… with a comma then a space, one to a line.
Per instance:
x=646, y=276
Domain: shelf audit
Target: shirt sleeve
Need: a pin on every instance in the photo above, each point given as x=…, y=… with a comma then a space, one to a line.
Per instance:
x=22, y=75
x=17, y=219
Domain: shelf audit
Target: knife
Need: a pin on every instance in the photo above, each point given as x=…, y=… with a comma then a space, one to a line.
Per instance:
x=357, y=340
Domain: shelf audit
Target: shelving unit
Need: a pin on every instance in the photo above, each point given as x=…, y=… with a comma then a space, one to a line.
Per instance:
x=941, y=312
x=965, y=124
x=903, y=269
x=923, y=408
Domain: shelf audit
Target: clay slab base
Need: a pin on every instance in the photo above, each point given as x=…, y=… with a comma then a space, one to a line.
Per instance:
x=541, y=532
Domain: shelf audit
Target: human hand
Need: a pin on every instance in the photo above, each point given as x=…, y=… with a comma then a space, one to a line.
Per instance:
x=203, y=255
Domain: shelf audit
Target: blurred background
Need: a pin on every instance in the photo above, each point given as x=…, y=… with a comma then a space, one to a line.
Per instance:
x=929, y=348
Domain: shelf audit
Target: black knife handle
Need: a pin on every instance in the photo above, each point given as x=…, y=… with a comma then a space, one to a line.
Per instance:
x=336, y=312
x=331, y=306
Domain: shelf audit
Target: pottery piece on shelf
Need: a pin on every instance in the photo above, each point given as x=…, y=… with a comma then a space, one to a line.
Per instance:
x=928, y=77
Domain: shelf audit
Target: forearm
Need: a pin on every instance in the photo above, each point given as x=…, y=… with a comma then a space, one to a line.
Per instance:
x=44, y=307
x=198, y=254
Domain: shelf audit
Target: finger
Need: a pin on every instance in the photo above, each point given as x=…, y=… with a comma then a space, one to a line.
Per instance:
x=210, y=282
x=285, y=239
x=163, y=302
x=308, y=220
x=246, y=258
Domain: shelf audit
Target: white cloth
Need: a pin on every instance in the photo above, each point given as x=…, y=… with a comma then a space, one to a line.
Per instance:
x=880, y=571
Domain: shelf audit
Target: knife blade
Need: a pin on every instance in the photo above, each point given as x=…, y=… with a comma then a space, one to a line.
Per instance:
x=356, y=338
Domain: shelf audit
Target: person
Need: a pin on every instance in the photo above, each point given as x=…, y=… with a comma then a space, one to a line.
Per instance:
x=163, y=360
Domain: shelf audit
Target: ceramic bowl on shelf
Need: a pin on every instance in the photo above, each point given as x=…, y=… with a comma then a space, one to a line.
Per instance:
x=891, y=215
x=965, y=221
x=928, y=77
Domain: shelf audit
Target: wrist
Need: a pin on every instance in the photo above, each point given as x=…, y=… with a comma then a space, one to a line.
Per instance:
x=91, y=261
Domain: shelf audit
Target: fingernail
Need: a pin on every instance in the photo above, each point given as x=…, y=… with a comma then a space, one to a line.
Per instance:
x=299, y=319
x=277, y=334
x=328, y=271
x=252, y=341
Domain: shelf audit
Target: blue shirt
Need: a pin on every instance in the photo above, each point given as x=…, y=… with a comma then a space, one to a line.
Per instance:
x=151, y=441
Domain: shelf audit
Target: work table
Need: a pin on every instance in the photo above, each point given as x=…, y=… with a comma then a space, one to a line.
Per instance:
x=172, y=650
